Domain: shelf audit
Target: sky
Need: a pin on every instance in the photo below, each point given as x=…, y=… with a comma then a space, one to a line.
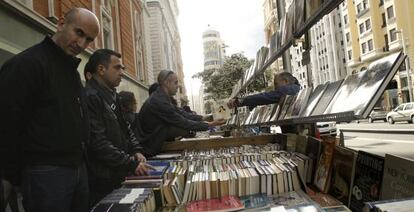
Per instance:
x=241, y=27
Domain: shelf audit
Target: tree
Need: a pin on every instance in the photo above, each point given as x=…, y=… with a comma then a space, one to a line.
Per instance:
x=219, y=82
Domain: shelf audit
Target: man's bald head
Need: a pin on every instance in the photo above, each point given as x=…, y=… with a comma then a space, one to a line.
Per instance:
x=76, y=30
x=168, y=81
x=74, y=13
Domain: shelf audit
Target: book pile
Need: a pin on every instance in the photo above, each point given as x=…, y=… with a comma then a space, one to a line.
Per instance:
x=227, y=155
x=127, y=199
x=216, y=180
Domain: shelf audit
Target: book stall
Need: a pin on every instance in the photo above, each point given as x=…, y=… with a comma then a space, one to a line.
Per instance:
x=280, y=172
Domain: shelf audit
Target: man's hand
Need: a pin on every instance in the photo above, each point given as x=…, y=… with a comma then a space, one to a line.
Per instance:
x=217, y=122
x=232, y=103
x=143, y=169
x=140, y=158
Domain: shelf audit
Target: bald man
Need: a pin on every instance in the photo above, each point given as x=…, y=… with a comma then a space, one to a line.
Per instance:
x=160, y=120
x=44, y=125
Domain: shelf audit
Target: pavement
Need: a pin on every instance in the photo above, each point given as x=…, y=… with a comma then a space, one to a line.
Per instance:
x=380, y=138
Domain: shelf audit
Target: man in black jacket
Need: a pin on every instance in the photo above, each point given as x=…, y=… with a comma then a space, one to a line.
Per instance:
x=113, y=150
x=44, y=124
x=159, y=120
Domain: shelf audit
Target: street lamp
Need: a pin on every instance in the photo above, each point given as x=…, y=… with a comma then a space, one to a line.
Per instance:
x=408, y=70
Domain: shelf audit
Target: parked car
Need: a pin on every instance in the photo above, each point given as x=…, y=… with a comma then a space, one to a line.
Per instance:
x=377, y=114
x=326, y=128
x=404, y=112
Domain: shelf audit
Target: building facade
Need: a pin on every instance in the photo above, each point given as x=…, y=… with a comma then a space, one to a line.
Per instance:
x=328, y=49
x=26, y=22
x=165, y=41
x=214, y=52
x=376, y=28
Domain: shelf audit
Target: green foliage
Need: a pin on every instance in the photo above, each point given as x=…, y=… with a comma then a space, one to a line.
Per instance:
x=219, y=82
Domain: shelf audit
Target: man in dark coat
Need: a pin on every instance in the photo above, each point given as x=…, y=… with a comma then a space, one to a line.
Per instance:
x=44, y=125
x=159, y=120
x=113, y=150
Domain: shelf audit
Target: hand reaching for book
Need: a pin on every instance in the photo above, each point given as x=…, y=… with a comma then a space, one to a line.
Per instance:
x=232, y=103
x=216, y=122
x=139, y=157
x=143, y=169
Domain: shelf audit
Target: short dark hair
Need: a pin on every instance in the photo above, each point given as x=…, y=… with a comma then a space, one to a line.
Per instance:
x=100, y=57
x=153, y=88
x=126, y=100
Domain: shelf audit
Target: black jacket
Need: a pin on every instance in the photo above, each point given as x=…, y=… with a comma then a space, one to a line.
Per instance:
x=157, y=114
x=112, y=141
x=43, y=115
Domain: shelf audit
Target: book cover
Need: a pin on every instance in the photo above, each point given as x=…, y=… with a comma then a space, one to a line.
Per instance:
x=342, y=174
x=366, y=84
x=314, y=99
x=221, y=110
x=227, y=203
x=301, y=102
x=255, y=202
x=286, y=105
x=326, y=98
x=299, y=14
x=367, y=180
x=324, y=168
x=311, y=7
x=398, y=181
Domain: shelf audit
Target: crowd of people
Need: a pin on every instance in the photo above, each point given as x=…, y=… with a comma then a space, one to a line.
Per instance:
x=65, y=145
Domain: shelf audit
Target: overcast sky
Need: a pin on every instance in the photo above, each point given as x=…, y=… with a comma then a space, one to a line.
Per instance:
x=240, y=23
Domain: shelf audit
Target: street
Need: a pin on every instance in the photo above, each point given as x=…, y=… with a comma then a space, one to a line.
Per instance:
x=382, y=139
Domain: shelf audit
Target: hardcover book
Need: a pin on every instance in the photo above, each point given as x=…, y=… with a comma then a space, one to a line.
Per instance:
x=369, y=169
x=398, y=181
x=324, y=168
x=342, y=174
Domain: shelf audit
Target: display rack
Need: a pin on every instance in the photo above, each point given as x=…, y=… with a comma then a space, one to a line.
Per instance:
x=325, y=8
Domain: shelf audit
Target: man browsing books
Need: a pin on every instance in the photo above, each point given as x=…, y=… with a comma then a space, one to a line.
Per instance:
x=159, y=120
x=285, y=84
x=113, y=150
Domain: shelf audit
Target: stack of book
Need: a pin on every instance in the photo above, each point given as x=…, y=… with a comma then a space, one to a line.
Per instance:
x=198, y=182
x=127, y=199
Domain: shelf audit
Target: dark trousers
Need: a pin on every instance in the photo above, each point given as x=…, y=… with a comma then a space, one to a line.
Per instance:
x=55, y=188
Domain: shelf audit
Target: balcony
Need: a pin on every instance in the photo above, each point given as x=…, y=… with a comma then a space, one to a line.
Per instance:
x=354, y=62
x=395, y=45
x=362, y=12
x=372, y=55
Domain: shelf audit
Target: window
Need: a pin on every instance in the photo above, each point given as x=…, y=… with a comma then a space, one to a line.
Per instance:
x=393, y=35
x=408, y=107
x=359, y=8
x=381, y=3
x=364, y=47
x=348, y=37
x=138, y=40
x=107, y=31
x=350, y=55
x=390, y=12
x=361, y=28
x=345, y=19
x=368, y=24
x=370, y=45
x=400, y=107
x=384, y=20
x=386, y=48
x=365, y=4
